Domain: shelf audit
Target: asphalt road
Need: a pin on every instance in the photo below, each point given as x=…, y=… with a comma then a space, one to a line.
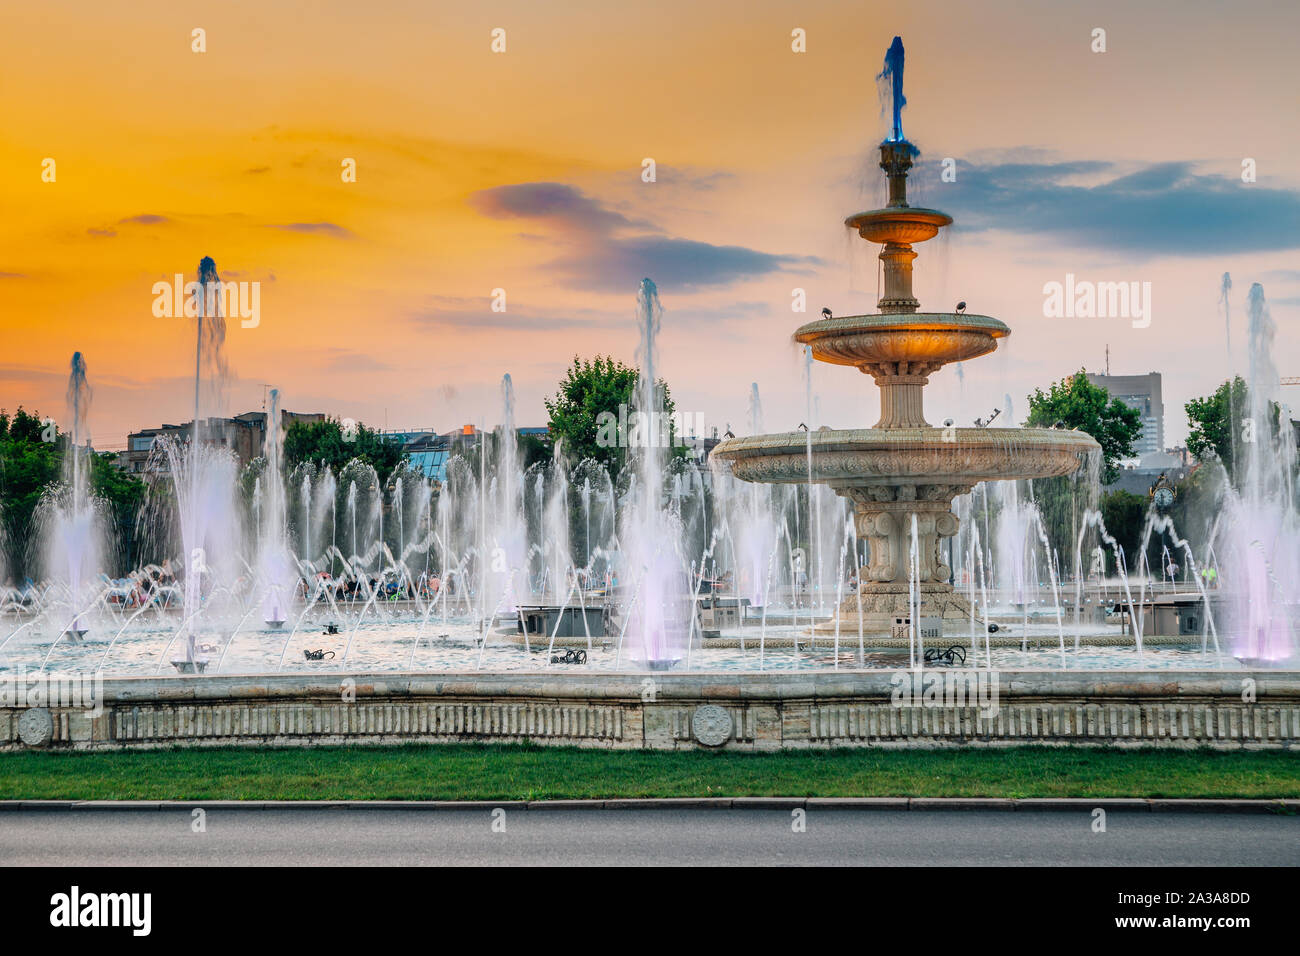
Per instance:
x=691, y=837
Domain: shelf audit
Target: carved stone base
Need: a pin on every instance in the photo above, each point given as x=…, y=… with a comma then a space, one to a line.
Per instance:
x=882, y=604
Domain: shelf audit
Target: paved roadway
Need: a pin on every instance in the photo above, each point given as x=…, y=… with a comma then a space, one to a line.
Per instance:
x=691, y=837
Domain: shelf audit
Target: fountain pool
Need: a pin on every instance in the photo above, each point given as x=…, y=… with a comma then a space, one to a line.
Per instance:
x=779, y=595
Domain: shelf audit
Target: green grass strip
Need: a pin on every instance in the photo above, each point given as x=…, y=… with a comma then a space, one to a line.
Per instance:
x=526, y=772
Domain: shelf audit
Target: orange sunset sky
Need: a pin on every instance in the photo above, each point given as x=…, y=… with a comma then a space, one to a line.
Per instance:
x=522, y=171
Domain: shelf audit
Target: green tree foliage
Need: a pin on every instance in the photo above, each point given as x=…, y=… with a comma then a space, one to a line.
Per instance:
x=1125, y=516
x=29, y=464
x=1219, y=425
x=534, y=449
x=325, y=443
x=124, y=494
x=1197, y=503
x=1060, y=503
x=1075, y=402
x=590, y=388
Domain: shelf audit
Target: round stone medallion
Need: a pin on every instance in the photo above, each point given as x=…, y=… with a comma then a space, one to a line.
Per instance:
x=711, y=724
x=36, y=727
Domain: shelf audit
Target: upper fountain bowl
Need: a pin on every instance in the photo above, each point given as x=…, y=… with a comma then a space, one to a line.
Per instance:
x=901, y=224
x=932, y=339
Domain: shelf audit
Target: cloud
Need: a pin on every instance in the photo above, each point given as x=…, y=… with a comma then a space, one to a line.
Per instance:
x=143, y=219
x=611, y=252
x=315, y=228
x=349, y=360
x=469, y=313
x=1162, y=208
x=454, y=312
x=680, y=264
x=690, y=177
x=13, y=275
x=1021, y=171
x=58, y=376
x=247, y=276
x=255, y=170
x=562, y=206
x=30, y=374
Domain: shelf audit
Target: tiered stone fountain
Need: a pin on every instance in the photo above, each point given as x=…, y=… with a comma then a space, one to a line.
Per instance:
x=902, y=467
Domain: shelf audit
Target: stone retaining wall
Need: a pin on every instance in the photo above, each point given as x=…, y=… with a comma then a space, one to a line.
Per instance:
x=1226, y=710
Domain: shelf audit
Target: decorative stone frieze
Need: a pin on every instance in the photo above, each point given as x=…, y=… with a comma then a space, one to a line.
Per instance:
x=729, y=711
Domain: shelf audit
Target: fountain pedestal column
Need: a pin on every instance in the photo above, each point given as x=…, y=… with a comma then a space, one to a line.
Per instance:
x=902, y=392
x=884, y=517
x=896, y=258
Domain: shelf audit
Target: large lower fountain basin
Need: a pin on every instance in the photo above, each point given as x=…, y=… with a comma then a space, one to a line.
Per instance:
x=846, y=458
x=901, y=481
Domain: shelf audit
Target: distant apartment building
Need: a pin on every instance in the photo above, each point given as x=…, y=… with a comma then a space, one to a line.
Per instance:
x=424, y=449
x=430, y=450
x=1141, y=392
x=244, y=435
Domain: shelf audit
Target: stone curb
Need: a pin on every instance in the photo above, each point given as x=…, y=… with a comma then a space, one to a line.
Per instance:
x=1076, y=804
x=858, y=803
x=961, y=803
x=1087, y=805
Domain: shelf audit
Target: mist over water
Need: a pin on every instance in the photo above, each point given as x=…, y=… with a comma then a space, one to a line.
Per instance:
x=69, y=519
x=274, y=563
x=1259, y=538
x=657, y=567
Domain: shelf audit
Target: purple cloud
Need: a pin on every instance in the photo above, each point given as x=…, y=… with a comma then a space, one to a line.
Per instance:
x=557, y=203
x=601, y=256
x=315, y=228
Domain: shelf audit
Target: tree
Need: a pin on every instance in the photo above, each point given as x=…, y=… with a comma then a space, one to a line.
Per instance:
x=1196, y=507
x=325, y=443
x=534, y=449
x=1125, y=515
x=1075, y=402
x=593, y=391
x=1218, y=425
x=1214, y=423
x=27, y=467
x=124, y=494
x=31, y=460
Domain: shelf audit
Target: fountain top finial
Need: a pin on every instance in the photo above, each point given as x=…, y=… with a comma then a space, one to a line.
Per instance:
x=892, y=74
x=899, y=225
